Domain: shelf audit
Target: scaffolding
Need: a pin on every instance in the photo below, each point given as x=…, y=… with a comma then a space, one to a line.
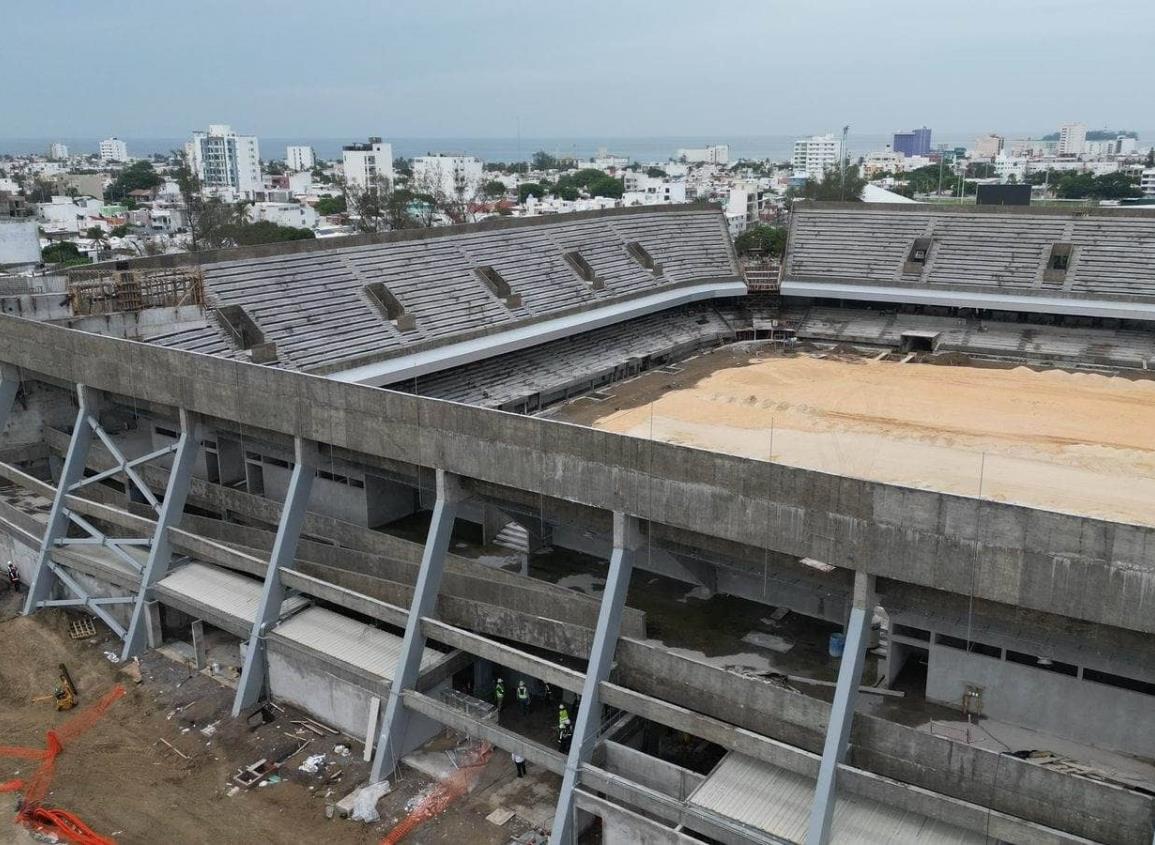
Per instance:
x=111, y=291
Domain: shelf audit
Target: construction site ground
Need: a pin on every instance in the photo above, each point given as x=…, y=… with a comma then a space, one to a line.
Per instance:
x=124, y=782
x=1050, y=438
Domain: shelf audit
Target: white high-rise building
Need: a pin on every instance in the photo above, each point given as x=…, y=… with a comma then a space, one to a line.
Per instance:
x=448, y=175
x=1147, y=182
x=1072, y=138
x=226, y=163
x=716, y=154
x=815, y=155
x=58, y=151
x=300, y=158
x=113, y=149
x=365, y=164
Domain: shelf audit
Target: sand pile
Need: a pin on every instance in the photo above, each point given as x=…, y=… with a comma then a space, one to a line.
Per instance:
x=1077, y=442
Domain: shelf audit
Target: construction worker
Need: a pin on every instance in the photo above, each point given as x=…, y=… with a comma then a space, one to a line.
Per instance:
x=519, y=762
x=523, y=697
x=564, y=729
x=499, y=693
x=14, y=577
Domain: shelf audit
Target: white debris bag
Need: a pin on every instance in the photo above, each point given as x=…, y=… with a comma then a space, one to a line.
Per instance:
x=313, y=764
x=365, y=804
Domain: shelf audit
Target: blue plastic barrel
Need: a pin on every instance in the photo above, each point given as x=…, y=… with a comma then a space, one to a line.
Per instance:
x=837, y=644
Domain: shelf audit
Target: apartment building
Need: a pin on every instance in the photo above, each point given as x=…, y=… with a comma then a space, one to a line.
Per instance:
x=815, y=155
x=226, y=163
x=365, y=164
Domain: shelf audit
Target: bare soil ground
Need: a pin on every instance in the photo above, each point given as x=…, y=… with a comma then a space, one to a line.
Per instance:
x=121, y=780
x=1077, y=442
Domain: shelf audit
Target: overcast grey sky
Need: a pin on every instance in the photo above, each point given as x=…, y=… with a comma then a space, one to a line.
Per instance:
x=581, y=68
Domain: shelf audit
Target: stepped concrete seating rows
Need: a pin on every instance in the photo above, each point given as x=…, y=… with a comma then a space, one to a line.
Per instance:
x=312, y=304
x=852, y=245
x=200, y=336
x=1114, y=254
x=593, y=357
x=986, y=250
x=1098, y=346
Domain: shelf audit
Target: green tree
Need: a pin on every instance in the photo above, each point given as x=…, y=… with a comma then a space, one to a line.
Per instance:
x=94, y=233
x=63, y=254
x=834, y=186
x=981, y=170
x=527, y=188
x=1110, y=186
x=544, y=161
x=138, y=176
x=605, y=186
x=276, y=168
x=119, y=231
x=1150, y=158
x=656, y=173
x=403, y=167
x=493, y=189
x=266, y=232
x=762, y=240
x=331, y=205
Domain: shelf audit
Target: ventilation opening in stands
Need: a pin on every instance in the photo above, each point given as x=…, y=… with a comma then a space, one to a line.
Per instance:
x=1058, y=263
x=237, y=322
x=583, y=268
x=390, y=306
x=640, y=255
x=916, y=259
x=498, y=285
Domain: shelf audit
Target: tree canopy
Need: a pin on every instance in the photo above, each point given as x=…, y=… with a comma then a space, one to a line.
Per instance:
x=331, y=205
x=656, y=173
x=493, y=189
x=834, y=186
x=138, y=176
x=64, y=254
x=1110, y=186
x=527, y=188
x=763, y=240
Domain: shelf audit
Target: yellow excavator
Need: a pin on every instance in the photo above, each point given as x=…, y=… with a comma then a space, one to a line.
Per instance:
x=65, y=692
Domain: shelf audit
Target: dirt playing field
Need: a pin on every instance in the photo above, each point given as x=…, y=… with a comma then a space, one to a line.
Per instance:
x=1075, y=442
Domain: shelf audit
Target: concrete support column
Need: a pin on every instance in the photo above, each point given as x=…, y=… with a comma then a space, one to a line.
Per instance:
x=627, y=539
x=273, y=593
x=842, y=711
x=450, y=494
x=200, y=649
x=169, y=515
x=9, y=384
x=75, y=460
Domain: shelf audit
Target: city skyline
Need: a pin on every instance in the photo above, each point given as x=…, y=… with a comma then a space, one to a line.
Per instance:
x=508, y=69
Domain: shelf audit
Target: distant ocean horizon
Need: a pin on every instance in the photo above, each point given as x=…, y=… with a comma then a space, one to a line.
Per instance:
x=640, y=149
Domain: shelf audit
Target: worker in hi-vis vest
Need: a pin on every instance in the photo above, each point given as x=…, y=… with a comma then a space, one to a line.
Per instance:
x=499, y=693
x=523, y=696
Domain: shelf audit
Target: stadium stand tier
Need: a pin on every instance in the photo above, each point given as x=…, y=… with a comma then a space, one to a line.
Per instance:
x=1098, y=262
x=334, y=305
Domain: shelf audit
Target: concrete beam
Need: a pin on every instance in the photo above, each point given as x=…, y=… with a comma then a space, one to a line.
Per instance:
x=1059, y=563
x=627, y=538
x=273, y=592
x=842, y=711
x=449, y=498
x=506, y=740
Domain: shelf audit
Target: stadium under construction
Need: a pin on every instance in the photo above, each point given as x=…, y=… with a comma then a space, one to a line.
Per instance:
x=392, y=469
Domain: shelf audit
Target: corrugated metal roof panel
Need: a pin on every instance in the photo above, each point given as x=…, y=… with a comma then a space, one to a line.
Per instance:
x=349, y=641
x=226, y=592
x=778, y=802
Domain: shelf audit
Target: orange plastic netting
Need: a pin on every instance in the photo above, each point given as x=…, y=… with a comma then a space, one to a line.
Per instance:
x=456, y=784
x=32, y=815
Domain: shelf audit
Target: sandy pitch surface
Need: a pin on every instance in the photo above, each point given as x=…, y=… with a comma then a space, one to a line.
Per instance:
x=1075, y=442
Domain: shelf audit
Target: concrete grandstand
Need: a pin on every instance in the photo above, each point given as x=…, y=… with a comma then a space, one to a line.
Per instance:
x=310, y=447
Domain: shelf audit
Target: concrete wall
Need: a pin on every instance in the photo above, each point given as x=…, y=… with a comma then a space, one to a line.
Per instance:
x=1084, y=568
x=309, y=683
x=1084, y=711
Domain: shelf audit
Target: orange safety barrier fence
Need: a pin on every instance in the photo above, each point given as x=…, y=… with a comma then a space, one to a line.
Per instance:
x=32, y=815
x=456, y=784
